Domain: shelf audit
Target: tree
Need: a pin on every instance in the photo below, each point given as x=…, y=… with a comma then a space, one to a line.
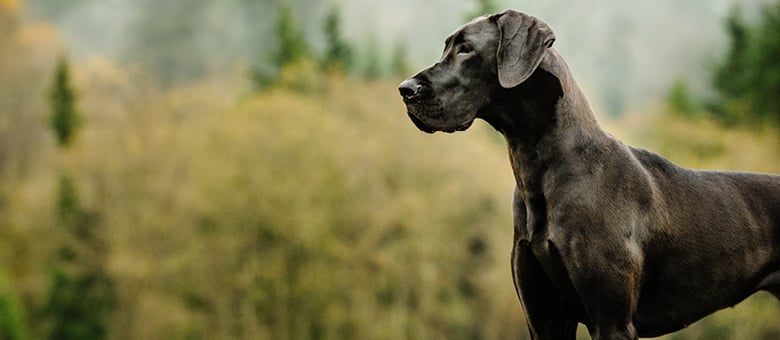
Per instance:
x=290, y=48
x=765, y=65
x=12, y=324
x=338, y=53
x=81, y=292
x=64, y=118
x=373, y=65
x=729, y=76
x=399, y=63
x=291, y=44
x=748, y=80
x=679, y=100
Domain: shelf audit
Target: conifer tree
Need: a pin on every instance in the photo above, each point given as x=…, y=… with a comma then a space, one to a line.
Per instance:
x=12, y=324
x=749, y=78
x=291, y=45
x=64, y=118
x=338, y=53
x=765, y=68
x=81, y=295
x=373, y=65
x=399, y=62
x=290, y=48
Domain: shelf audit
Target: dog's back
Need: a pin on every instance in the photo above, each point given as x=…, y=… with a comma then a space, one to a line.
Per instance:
x=710, y=246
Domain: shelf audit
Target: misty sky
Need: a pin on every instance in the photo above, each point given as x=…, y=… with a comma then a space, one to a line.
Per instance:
x=625, y=54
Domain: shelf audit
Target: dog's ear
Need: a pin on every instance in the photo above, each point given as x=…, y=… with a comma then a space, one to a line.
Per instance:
x=522, y=42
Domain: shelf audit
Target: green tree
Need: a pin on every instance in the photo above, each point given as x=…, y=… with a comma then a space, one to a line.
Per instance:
x=64, y=118
x=728, y=77
x=291, y=44
x=765, y=65
x=79, y=305
x=748, y=79
x=12, y=325
x=291, y=48
x=680, y=102
x=338, y=53
x=372, y=68
x=81, y=293
x=399, y=63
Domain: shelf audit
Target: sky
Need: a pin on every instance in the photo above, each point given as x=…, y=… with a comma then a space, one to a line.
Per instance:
x=625, y=54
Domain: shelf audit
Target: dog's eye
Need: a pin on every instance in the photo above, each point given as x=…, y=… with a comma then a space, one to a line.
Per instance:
x=465, y=49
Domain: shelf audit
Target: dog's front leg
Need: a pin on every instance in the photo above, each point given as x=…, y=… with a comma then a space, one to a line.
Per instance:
x=605, y=276
x=548, y=316
x=545, y=311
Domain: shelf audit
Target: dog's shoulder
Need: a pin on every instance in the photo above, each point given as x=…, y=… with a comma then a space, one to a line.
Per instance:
x=653, y=163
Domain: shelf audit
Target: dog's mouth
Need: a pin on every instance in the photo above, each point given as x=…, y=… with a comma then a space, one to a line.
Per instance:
x=423, y=116
x=420, y=124
x=463, y=126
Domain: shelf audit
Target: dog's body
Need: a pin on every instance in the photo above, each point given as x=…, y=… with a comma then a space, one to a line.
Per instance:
x=615, y=237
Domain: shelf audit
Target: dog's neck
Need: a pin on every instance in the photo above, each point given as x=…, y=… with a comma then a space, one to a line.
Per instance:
x=544, y=120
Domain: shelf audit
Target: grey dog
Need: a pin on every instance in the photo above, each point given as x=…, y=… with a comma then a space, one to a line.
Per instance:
x=605, y=234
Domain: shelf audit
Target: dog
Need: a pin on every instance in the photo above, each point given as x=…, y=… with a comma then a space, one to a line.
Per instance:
x=605, y=234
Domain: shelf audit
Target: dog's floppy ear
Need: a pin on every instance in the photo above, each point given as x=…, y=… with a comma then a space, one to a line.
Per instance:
x=522, y=42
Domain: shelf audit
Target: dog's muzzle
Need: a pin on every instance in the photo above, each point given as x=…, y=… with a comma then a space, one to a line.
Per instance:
x=425, y=111
x=418, y=99
x=413, y=88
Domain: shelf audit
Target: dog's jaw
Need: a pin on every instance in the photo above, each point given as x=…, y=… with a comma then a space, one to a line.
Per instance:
x=419, y=124
x=429, y=116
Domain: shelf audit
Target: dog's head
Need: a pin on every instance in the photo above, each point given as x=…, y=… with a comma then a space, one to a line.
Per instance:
x=481, y=57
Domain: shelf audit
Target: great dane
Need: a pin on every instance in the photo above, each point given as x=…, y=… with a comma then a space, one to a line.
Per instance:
x=605, y=234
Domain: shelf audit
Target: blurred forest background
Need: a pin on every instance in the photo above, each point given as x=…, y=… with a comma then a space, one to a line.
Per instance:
x=244, y=169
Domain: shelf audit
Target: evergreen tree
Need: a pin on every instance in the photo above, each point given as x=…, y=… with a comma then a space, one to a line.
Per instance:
x=680, y=102
x=291, y=44
x=765, y=65
x=290, y=48
x=12, y=324
x=79, y=305
x=373, y=65
x=64, y=118
x=749, y=78
x=399, y=64
x=729, y=76
x=338, y=53
x=81, y=293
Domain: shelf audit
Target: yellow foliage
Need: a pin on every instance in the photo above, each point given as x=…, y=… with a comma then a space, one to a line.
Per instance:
x=9, y=6
x=41, y=39
x=704, y=144
x=338, y=176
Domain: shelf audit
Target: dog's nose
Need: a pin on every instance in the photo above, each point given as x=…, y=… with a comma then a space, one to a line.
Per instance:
x=410, y=88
